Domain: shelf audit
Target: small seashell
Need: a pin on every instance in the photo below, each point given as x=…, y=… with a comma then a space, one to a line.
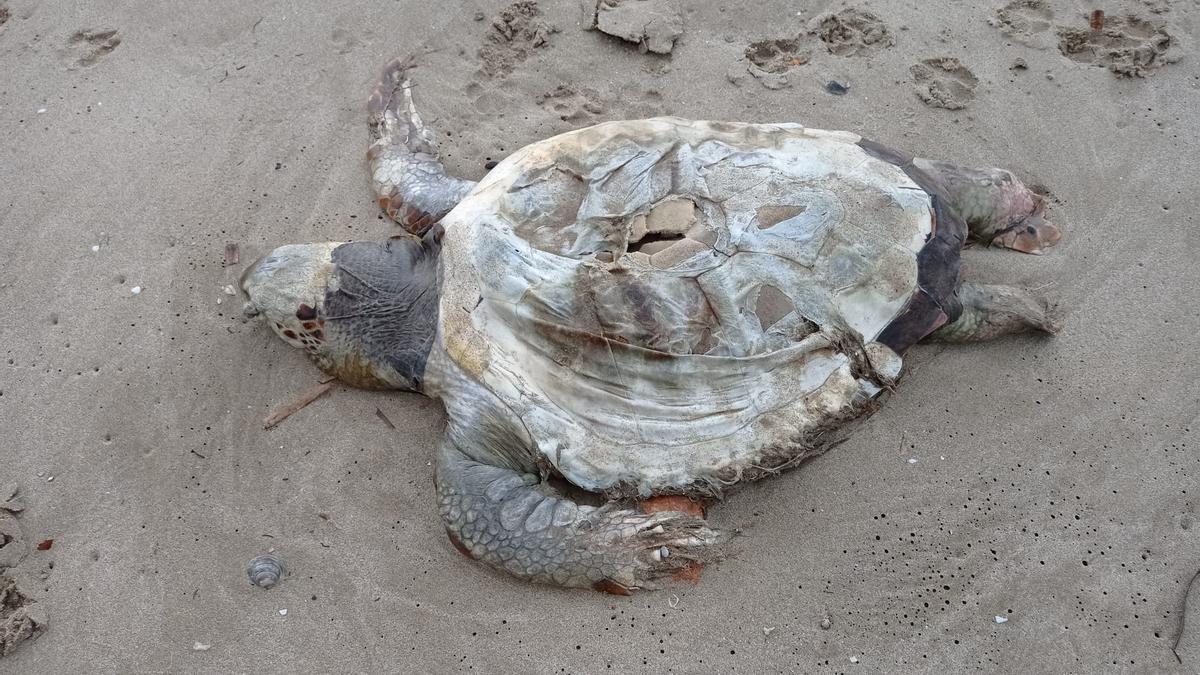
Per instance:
x=266, y=570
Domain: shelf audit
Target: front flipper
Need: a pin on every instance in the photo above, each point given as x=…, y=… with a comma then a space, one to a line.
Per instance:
x=515, y=523
x=408, y=179
x=990, y=311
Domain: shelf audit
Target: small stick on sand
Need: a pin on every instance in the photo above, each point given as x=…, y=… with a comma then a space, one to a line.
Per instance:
x=287, y=410
x=232, y=256
x=1097, y=21
x=1183, y=606
x=380, y=415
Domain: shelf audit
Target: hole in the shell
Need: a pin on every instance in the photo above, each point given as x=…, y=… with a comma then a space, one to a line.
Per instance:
x=654, y=242
x=667, y=222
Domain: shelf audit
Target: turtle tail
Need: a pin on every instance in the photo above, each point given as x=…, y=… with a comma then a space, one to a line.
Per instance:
x=408, y=179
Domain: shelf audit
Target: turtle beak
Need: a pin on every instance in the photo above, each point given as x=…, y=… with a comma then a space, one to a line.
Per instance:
x=1035, y=235
x=249, y=309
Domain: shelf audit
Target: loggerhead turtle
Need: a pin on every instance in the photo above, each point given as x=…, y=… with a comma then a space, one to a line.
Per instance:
x=653, y=311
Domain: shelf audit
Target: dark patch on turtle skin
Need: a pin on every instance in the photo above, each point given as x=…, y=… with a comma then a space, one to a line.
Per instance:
x=411, y=218
x=456, y=542
x=306, y=313
x=934, y=303
x=385, y=302
x=611, y=587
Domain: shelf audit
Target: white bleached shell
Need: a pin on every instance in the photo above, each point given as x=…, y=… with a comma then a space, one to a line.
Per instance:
x=666, y=304
x=266, y=570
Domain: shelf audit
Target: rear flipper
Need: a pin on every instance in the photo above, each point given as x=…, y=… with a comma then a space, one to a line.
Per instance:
x=409, y=181
x=512, y=522
x=997, y=207
x=990, y=311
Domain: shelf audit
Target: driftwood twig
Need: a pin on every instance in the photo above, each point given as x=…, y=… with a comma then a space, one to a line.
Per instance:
x=288, y=409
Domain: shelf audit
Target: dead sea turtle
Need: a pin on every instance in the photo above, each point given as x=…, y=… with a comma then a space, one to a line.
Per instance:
x=653, y=311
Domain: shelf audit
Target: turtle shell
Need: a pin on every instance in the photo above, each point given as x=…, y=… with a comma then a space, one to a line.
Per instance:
x=672, y=306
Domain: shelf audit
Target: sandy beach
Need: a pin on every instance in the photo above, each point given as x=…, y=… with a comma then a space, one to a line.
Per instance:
x=1025, y=505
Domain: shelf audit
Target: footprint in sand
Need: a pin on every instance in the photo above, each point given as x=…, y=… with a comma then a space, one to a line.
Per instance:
x=944, y=83
x=776, y=56
x=571, y=104
x=852, y=31
x=770, y=59
x=1129, y=46
x=85, y=47
x=846, y=33
x=512, y=36
x=344, y=41
x=1126, y=45
x=1025, y=21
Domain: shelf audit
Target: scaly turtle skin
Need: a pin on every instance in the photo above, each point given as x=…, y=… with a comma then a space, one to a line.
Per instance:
x=652, y=310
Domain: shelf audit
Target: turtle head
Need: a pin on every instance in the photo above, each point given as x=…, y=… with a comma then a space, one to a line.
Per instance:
x=286, y=289
x=365, y=311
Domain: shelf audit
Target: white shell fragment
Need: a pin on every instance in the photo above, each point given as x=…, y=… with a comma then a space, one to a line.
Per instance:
x=136, y=290
x=266, y=570
x=201, y=647
x=1001, y=619
x=666, y=304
